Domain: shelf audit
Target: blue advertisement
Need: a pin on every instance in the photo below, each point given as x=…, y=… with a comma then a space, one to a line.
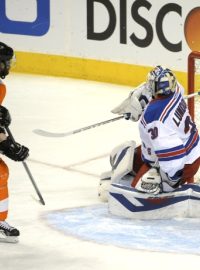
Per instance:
x=39, y=27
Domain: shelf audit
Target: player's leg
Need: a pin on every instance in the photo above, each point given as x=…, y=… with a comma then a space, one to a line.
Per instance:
x=4, y=173
x=7, y=232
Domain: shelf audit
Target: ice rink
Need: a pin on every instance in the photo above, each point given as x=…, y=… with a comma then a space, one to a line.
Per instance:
x=73, y=230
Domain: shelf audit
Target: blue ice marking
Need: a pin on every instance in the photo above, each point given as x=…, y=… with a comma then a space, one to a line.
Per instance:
x=94, y=223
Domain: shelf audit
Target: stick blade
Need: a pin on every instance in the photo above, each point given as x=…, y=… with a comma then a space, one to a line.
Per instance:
x=40, y=201
x=45, y=133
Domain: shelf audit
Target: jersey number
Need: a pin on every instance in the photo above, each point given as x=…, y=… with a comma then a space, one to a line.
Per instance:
x=154, y=132
x=189, y=123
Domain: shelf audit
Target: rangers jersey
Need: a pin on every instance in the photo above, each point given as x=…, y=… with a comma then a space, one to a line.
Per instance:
x=169, y=136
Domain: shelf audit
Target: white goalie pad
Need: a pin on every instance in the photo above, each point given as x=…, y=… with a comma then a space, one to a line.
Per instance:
x=184, y=202
x=121, y=159
x=167, y=183
x=104, y=186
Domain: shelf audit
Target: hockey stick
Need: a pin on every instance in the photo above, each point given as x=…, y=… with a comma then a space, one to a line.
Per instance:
x=27, y=170
x=192, y=95
x=45, y=133
x=64, y=134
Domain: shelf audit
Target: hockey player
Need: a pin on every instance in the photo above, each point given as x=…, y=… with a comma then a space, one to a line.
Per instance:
x=169, y=155
x=13, y=151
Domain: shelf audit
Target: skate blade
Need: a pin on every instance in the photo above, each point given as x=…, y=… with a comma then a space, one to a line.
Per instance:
x=8, y=239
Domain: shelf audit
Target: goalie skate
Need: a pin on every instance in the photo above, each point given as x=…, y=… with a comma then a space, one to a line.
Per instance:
x=8, y=234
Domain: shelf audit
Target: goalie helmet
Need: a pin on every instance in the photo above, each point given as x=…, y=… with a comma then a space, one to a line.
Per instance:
x=162, y=81
x=6, y=59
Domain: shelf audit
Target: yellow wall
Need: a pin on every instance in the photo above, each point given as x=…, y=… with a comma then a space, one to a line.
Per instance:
x=112, y=72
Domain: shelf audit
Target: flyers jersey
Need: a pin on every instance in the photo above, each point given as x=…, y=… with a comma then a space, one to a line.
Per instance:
x=168, y=134
x=4, y=172
x=2, y=91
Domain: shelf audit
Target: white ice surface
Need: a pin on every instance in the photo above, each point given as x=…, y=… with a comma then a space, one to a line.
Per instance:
x=67, y=171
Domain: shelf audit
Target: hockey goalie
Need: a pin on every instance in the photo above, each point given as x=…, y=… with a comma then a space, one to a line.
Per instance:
x=167, y=159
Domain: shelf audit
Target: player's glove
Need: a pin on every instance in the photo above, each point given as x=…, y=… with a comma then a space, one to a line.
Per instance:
x=5, y=118
x=16, y=152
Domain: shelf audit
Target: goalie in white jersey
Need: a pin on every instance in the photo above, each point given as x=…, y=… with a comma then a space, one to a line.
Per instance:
x=169, y=155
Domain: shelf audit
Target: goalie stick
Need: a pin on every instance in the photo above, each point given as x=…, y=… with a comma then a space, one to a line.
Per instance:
x=192, y=95
x=27, y=170
x=45, y=133
x=64, y=134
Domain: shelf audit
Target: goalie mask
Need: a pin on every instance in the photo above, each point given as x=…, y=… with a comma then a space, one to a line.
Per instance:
x=162, y=81
x=7, y=58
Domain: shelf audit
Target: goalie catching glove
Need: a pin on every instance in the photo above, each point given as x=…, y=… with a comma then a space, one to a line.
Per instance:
x=14, y=151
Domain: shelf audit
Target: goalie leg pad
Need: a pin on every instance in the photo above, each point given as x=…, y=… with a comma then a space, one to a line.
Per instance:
x=167, y=184
x=121, y=159
x=104, y=186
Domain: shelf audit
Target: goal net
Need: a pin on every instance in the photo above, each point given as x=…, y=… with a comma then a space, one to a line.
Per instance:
x=194, y=86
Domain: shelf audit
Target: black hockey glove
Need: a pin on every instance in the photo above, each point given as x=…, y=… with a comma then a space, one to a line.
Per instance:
x=5, y=118
x=16, y=152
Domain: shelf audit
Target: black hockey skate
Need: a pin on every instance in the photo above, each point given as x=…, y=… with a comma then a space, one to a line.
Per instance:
x=8, y=233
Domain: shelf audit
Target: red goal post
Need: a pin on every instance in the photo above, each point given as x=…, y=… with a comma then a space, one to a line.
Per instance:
x=193, y=79
x=194, y=86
